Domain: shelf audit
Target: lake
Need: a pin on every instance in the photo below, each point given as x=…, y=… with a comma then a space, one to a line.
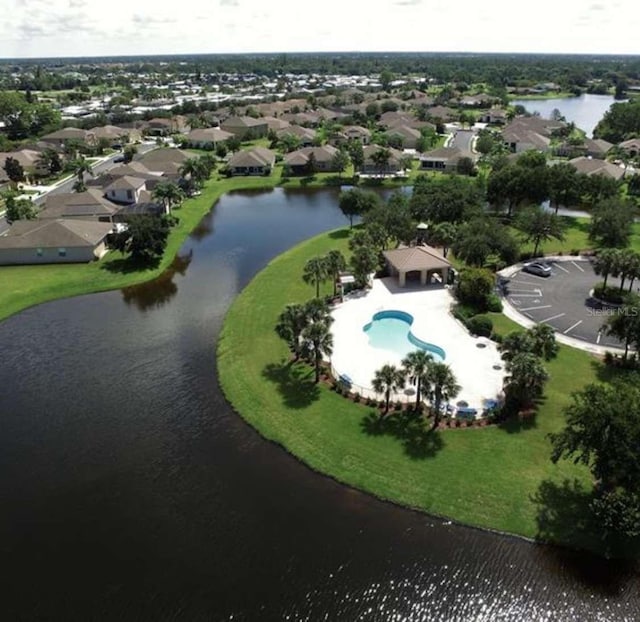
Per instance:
x=131, y=491
x=585, y=111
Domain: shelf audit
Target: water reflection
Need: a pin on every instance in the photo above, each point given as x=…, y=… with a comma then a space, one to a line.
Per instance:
x=156, y=293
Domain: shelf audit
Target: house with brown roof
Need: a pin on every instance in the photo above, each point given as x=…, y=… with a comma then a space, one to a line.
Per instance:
x=88, y=205
x=590, y=166
x=208, y=137
x=164, y=161
x=161, y=126
x=494, y=116
x=631, y=147
x=255, y=161
x=443, y=159
x=371, y=166
x=245, y=128
x=311, y=159
x=407, y=136
x=54, y=241
x=418, y=264
x=305, y=135
x=526, y=133
x=68, y=133
x=115, y=134
x=274, y=124
x=443, y=113
x=28, y=159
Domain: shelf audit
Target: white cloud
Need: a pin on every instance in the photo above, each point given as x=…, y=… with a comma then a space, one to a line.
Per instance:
x=89, y=27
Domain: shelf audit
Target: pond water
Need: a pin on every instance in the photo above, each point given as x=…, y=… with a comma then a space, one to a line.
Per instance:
x=131, y=491
x=585, y=111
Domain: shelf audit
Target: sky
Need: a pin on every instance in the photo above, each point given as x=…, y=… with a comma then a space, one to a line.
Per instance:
x=44, y=28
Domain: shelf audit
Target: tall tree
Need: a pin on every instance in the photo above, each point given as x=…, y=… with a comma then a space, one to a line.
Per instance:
x=625, y=323
x=168, y=193
x=291, y=323
x=416, y=367
x=315, y=272
x=340, y=161
x=318, y=342
x=543, y=341
x=335, y=263
x=145, y=237
x=444, y=234
x=356, y=202
x=14, y=170
x=387, y=380
x=380, y=159
x=606, y=262
x=611, y=223
x=538, y=225
x=526, y=379
x=564, y=185
x=444, y=387
x=364, y=261
x=81, y=166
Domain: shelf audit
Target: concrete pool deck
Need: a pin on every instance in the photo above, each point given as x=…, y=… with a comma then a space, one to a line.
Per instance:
x=472, y=359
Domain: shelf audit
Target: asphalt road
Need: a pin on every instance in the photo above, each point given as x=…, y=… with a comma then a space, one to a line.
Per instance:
x=462, y=139
x=562, y=300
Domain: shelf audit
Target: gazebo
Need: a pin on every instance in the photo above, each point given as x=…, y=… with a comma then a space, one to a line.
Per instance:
x=413, y=260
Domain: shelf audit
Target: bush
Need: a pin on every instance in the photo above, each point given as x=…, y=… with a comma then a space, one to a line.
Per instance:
x=480, y=325
x=609, y=293
x=494, y=304
x=356, y=397
x=398, y=406
x=497, y=338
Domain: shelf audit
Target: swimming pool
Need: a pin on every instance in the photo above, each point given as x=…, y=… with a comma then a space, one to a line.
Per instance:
x=391, y=330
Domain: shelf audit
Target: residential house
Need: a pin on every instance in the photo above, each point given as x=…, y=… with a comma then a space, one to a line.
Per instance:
x=115, y=135
x=255, y=161
x=208, y=138
x=60, y=137
x=525, y=133
x=631, y=147
x=275, y=125
x=311, y=159
x=477, y=101
x=590, y=166
x=371, y=166
x=443, y=113
x=442, y=159
x=164, y=161
x=494, y=116
x=305, y=135
x=88, y=205
x=245, y=128
x=409, y=136
x=126, y=189
x=28, y=159
x=597, y=147
x=54, y=241
x=161, y=126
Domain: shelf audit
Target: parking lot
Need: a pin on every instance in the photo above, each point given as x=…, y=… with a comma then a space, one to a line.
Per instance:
x=562, y=300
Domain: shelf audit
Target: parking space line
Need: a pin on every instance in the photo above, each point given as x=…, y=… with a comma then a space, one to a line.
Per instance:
x=598, y=338
x=577, y=266
x=524, y=295
x=533, y=308
x=553, y=317
x=557, y=265
x=572, y=327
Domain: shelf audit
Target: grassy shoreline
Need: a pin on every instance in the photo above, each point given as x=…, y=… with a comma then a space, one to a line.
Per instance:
x=498, y=478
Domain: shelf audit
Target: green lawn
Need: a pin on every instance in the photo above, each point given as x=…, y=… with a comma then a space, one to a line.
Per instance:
x=25, y=286
x=491, y=477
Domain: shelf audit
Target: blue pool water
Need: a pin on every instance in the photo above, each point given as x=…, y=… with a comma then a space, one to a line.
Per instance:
x=391, y=330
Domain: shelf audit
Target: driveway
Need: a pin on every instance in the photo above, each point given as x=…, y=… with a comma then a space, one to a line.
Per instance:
x=462, y=139
x=562, y=300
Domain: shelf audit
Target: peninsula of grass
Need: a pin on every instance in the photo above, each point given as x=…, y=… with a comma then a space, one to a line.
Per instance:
x=496, y=477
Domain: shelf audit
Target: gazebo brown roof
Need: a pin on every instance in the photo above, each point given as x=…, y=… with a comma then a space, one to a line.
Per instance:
x=416, y=258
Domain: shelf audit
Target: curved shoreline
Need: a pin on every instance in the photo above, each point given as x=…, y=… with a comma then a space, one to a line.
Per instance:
x=485, y=478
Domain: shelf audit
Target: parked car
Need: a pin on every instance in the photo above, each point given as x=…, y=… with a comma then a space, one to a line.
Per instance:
x=118, y=159
x=539, y=268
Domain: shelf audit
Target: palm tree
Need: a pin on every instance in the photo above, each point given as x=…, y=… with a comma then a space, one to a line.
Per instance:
x=195, y=170
x=538, y=225
x=444, y=234
x=380, y=159
x=319, y=341
x=81, y=166
x=315, y=272
x=416, y=367
x=444, y=386
x=317, y=310
x=388, y=379
x=625, y=324
x=291, y=323
x=526, y=378
x=335, y=264
x=168, y=193
x=605, y=262
x=543, y=340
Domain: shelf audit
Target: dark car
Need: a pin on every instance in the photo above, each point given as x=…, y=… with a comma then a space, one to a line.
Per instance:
x=539, y=268
x=118, y=159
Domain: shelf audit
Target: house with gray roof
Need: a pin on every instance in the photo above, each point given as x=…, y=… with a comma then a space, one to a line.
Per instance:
x=443, y=159
x=311, y=159
x=305, y=135
x=371, y=166
x=408, y=136
x=88, y=205
x=255, y=161
x=126, y=190
x=67, y=133
x=590, y=166
x=631, y=146
x=208, y=137
x=245, y=128
x=54, y=241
